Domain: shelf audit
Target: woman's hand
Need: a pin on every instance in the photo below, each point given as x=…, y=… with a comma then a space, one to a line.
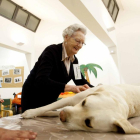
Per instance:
x=1, y=100
x=16, y=134
x=76, y=89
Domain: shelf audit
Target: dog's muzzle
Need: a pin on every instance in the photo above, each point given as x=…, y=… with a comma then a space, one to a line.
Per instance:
x=63, y=116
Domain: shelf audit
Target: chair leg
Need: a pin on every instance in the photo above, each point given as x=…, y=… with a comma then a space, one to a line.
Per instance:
x=1, y=114
x=7, y=113
x=10, y=113
x=4, y=114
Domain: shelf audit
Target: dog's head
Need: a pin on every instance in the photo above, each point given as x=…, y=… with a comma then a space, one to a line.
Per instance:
x=97, y=113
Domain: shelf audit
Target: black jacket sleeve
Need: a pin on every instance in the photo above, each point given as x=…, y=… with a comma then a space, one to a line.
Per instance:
x=46, y=63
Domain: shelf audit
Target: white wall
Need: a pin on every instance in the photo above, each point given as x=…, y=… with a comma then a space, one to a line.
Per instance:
x=10, y=34
x=50, y=32
x=128, y=33
x=9, y=57
x=94, y=52
x=100, y=13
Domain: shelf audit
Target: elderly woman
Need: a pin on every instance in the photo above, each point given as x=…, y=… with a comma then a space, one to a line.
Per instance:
x=54, y=69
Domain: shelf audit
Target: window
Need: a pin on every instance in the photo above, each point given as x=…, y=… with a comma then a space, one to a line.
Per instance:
x=112, y=8
x=21, y=17
x=32, y=24
x=115, y=12
x=106, y=2
x=17, y=14
x=7, y=9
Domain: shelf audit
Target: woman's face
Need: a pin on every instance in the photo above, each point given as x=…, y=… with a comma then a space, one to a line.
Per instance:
x=74, y=43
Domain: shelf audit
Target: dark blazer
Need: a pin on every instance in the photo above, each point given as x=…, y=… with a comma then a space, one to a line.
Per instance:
x=47, y=79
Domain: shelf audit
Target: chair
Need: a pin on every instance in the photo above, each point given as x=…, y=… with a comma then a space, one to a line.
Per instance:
x=7, y=104
x=6, y=108
x=1, y=109
x=17, y=103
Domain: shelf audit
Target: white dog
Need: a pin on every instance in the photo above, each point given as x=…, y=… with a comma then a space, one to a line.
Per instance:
x=100, y=109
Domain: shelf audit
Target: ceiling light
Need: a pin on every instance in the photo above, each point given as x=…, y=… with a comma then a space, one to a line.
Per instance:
x=20, y=43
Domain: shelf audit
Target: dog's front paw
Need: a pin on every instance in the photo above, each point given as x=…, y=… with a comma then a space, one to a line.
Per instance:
x=31, y=113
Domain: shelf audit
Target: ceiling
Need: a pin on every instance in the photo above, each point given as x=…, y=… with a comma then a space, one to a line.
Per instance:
x=55, y=8
x=45, y=9
x=129, y=5
x=38, y=7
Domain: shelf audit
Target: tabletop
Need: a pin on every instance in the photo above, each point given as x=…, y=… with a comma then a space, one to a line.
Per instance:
x=50, y=128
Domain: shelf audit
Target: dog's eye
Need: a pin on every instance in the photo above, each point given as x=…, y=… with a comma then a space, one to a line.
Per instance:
x=87, y=122
x=83, y=103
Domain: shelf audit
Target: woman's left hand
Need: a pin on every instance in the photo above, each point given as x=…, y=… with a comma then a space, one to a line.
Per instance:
x=86, y=86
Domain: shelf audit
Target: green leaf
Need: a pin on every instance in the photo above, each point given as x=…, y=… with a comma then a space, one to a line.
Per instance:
x=82, y=66
x=91, y=68
x=94, y=65
x=82, y=69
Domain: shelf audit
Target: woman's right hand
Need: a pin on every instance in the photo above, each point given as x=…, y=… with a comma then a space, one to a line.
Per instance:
x=1, y=100
x=76, y=89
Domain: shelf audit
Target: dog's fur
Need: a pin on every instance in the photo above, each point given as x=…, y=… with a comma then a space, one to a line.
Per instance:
x=100, y=109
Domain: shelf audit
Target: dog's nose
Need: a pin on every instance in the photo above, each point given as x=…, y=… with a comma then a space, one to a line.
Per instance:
x=63, y=116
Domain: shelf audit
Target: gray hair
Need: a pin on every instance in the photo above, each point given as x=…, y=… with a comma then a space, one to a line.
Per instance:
x=73, y=28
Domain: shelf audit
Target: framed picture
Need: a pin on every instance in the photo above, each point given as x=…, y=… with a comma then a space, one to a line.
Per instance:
x=18, y=79
x=1, y=79
x=17, y=72
x=5, y=72
x=8, y=80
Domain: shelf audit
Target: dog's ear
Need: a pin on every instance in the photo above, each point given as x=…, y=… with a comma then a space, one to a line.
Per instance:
x=124, y=125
